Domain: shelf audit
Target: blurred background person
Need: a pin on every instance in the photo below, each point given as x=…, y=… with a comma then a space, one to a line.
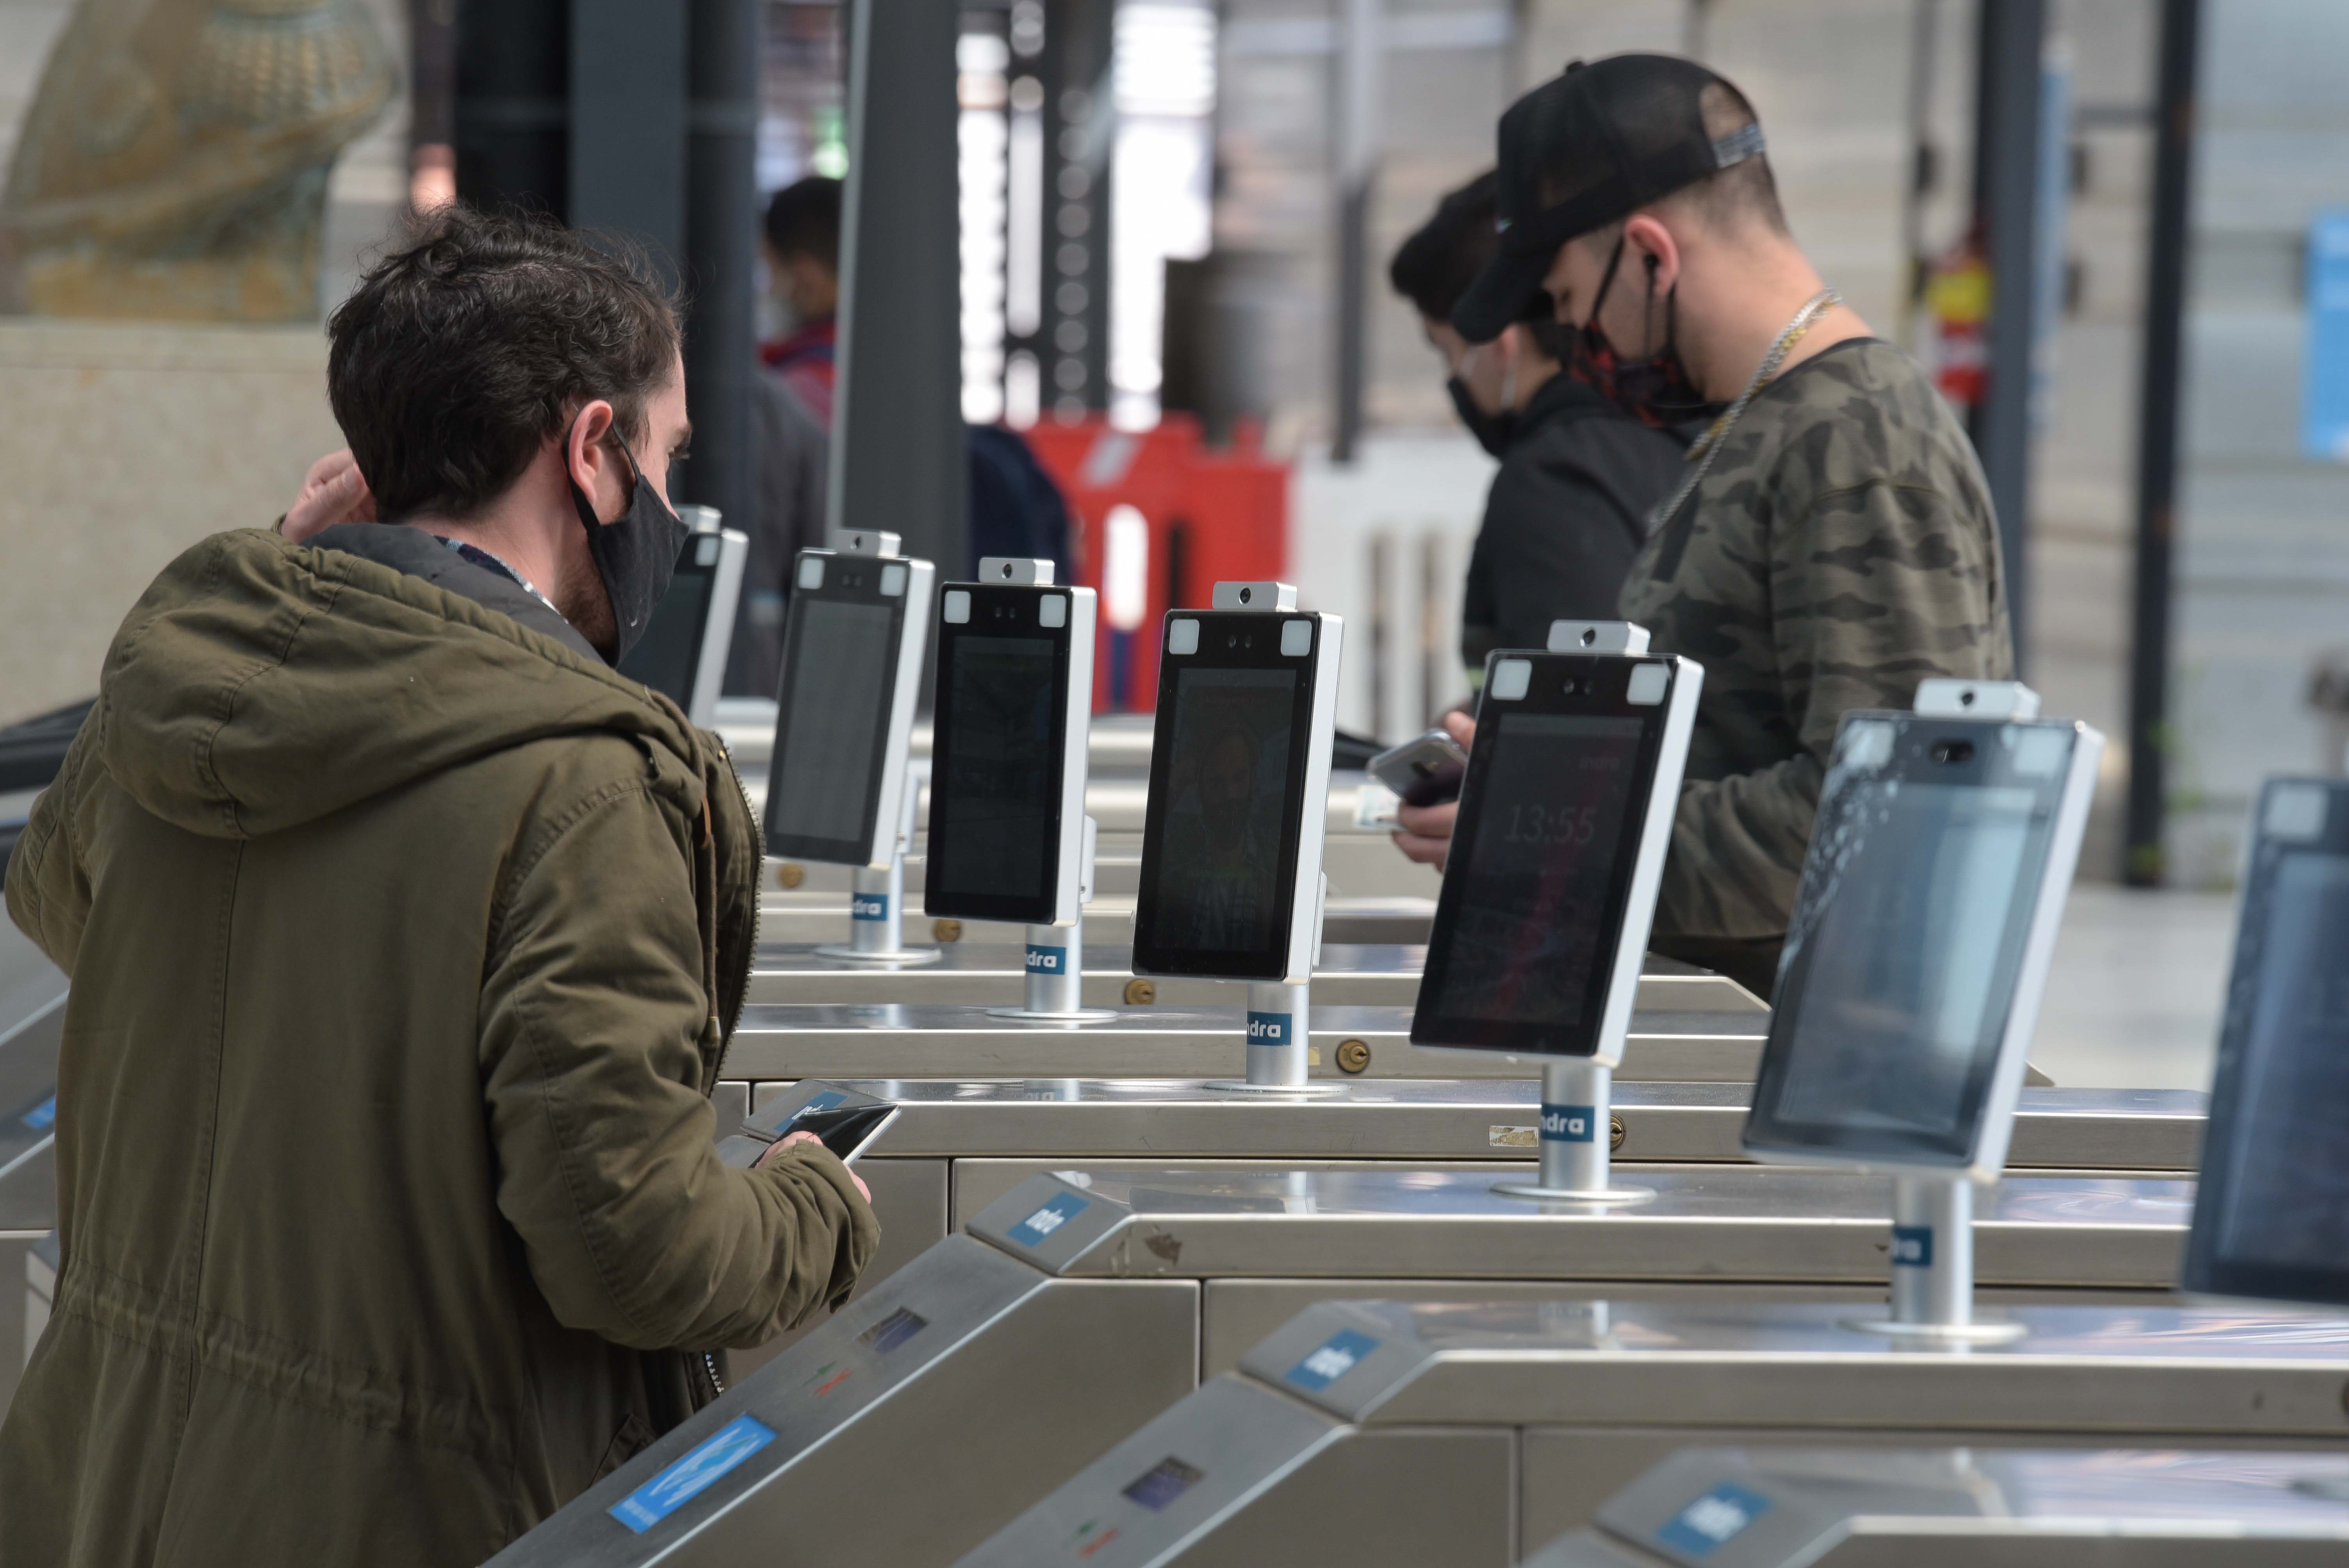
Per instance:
x=1569, y=509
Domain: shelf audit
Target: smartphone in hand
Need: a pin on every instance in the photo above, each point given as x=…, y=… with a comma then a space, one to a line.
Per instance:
x=1426, y=771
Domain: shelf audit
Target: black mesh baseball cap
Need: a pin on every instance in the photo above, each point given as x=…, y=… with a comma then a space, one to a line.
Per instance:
x=1576, y=154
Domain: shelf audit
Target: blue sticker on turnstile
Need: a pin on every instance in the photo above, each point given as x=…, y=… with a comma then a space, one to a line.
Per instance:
x=690, y=1477
x=1269, y=1028
x=1912, y=1246
x=868, y=906
x=1046, y=960
x=1568, y=1123
x=1719, y=1516
x=1338, y=1355
x=42, y=1117
x=1032, y=1230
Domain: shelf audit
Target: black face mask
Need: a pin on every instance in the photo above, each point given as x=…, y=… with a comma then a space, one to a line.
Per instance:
x=1494, y=432
x=636, y=554
x=1657, y=392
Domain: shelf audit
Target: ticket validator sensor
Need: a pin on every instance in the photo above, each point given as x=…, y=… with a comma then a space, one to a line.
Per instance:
x=1231, y=885
x=1566, y=811
x=1914, y=963
x=1008, y=837
x=840, y=789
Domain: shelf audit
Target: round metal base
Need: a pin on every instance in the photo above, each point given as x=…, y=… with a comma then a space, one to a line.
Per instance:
x=904, y=958
x=1241, y=1085
x=1977, y=1333
x=1082, y=1016
x=1540, y=1193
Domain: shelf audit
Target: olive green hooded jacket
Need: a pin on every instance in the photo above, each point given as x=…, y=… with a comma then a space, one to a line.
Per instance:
x=406, y=940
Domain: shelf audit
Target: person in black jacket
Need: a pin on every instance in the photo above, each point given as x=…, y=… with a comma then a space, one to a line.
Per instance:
x=1569, y=509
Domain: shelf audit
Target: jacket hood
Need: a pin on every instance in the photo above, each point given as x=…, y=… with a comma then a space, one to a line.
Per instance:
x=259, y=685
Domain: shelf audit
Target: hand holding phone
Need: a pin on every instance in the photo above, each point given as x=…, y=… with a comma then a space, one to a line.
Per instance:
x=789, y=1138
x=1426, y=771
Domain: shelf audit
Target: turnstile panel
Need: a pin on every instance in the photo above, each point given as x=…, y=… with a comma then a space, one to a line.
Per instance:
x=1939, y=1508
x=903, y=1041
x=1722, y=1225
x=903, y=1432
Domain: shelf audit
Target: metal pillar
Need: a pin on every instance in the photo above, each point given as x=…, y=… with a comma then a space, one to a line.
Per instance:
x=876, y=899
x=1357, y=154
x=2156, y=449
x=1079, y=114
x=1576, y=1138
x=1933, y=1265
x=2007, y=161
x=897, y=448
x=1279, y=1035
x=627, y=154
x=1054, y=990
x=721, y=238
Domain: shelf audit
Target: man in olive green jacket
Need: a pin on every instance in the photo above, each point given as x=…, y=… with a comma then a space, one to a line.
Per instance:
x=406, y=938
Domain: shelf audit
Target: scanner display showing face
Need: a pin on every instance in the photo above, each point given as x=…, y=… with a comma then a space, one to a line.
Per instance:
x=837, y=676
x=2287, y=1191
x=998, y=793
x=1542, y=871
x=1221, y=889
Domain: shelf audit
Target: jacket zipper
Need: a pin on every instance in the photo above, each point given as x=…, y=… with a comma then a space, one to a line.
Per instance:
x=758, y=888
x=710, y=1365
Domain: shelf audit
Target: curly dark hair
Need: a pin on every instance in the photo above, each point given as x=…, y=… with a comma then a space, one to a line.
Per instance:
x=463, y=351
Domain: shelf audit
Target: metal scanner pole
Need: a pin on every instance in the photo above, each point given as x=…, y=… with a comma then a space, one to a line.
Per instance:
x=876, y=909
x=1933, y=1265
x=1054, y=990
x=1576, y=1138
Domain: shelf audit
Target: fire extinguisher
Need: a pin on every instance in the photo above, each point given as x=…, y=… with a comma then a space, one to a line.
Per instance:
x=1957, y=299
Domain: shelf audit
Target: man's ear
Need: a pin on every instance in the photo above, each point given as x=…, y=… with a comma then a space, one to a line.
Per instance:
x=1650, y=247
x=585, y=455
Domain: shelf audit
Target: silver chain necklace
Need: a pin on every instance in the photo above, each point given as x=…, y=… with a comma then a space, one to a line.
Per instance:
x=1717, y=436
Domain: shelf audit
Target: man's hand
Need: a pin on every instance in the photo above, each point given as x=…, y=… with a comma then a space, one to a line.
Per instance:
x=1426, y=835
x=333, y=491
x=786, y=1141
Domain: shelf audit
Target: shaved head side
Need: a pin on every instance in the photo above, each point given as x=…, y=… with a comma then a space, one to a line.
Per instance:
x=1744, y=194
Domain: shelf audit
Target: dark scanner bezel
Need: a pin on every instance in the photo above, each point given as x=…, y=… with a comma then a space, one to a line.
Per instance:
x=1270, y=962
x=837, y=588
x=1913, y=762
x=2206, y=1269
x=984, y=599
x=703, y=581
x=1602, y=683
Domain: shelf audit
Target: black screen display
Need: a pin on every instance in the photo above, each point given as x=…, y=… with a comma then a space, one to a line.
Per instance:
x=1220, y=884
x=1540, y=879
x=995, y=811
x=840, y=670
x=669, y=653
x=2284, y=1200
x=1907, y=938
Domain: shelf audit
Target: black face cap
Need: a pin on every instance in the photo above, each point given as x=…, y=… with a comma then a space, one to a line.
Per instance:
x=1597, y=144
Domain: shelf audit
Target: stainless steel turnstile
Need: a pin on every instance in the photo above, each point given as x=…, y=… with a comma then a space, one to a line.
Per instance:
x=993, y=974
x=32, y=1022
x=893, y=1040
x=1959, y=1508
x=1375, y=1434
x=955, y=1147
x=961, y=1389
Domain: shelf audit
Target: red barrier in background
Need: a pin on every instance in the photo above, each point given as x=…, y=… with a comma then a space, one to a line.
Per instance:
x=1207, y=515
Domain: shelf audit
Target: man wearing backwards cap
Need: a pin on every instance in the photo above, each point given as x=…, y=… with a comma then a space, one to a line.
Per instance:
x=1831, y=542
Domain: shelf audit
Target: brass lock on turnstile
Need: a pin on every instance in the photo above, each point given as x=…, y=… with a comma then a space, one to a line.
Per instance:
x=1353, y=1056
x=1614, y=1133
x=1139, y=993
x=790, y=874
x=946, y=930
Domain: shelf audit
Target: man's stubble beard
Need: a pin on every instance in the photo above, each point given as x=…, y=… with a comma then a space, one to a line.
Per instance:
x=580, y=599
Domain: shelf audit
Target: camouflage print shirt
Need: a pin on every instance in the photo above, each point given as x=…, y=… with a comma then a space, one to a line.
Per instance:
x=1841, y=549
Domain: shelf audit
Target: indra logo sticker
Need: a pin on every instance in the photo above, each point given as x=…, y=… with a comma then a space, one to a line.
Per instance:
x=1568, y=1123
x=1912, y=1246
x=1032, y=1230
x=1719, y=1516
x=1338, y=1355
x=1269, y=1028
x=1046, y=960
x=868, y=906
